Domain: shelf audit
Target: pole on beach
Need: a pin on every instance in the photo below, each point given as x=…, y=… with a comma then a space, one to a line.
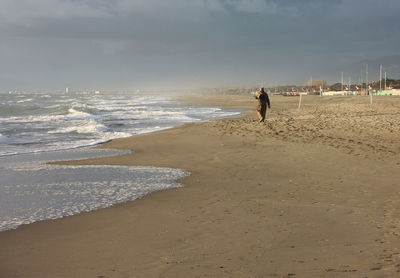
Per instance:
x=380, y=78
x=348, y=92
x=367, y=85
x=361, y=80
x=385, y=80
x=300, y=101
x=342, y=82
x=370, y=98
x=366, y=79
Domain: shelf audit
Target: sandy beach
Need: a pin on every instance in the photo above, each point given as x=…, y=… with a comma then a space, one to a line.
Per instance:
x=313, y=192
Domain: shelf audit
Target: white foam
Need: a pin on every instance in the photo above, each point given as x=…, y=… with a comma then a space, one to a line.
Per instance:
x=90, y=126
x=24, y=100
x=77, y=115
x=150, y=129
x=59, y=147
x=71, y=116
x=33, y=195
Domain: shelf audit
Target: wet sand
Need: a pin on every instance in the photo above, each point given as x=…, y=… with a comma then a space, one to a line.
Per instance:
x=313, y=192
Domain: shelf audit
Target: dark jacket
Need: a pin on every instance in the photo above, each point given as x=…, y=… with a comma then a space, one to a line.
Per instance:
x=263, y=99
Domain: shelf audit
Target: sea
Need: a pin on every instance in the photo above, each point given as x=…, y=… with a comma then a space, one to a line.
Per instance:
x=40, y=127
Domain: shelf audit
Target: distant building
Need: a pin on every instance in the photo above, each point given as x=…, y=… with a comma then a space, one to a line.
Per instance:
x=390, y=92
x=336, y=93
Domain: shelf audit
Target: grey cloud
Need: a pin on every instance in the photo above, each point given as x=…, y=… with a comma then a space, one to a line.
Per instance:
x=133, y=43
x=272, y=7
x=27, y=11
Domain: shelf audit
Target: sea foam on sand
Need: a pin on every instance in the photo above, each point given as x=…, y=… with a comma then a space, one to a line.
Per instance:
x=32, y=191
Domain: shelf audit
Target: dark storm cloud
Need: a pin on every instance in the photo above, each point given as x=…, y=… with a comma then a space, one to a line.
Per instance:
x=175, y=43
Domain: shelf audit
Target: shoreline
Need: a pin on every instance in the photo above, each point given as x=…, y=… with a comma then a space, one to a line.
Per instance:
x=38, y=158
x=254, y=205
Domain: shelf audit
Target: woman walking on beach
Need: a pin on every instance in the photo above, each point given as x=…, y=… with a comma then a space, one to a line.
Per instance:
x=263, y=101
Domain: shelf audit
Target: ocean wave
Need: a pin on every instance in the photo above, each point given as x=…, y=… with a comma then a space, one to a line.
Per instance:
x=89, y=126
x=9, y=110
x=71, y=115
x=77, y=115
x=75, y=120
x=59, y=147
x=24, y=100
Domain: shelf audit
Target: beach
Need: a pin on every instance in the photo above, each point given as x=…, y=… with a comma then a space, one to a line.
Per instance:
x=312, y=192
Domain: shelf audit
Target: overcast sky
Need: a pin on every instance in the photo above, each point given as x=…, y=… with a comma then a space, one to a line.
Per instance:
x=138, y=44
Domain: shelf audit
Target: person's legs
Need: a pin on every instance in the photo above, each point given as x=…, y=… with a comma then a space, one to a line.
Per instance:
x=259, y=112
x=259, y=115
x=263, y=112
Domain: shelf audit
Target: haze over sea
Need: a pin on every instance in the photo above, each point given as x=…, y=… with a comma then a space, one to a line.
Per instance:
x=39, y=127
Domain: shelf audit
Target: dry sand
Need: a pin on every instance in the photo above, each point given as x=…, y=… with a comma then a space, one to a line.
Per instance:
x=311, y=193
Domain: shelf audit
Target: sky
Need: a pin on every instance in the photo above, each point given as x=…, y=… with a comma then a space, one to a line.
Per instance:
x=156, y=44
